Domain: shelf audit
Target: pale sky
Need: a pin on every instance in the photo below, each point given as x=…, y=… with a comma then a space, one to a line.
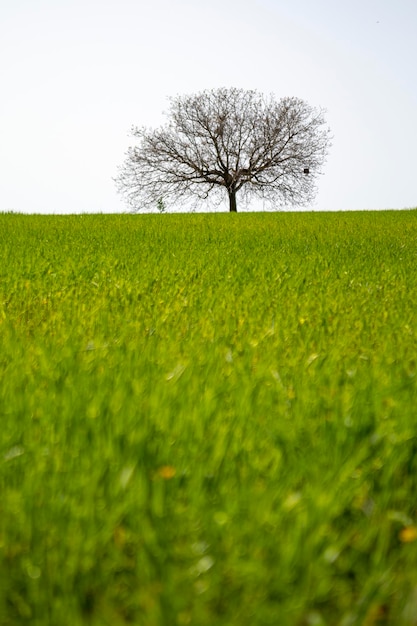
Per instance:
x=75, y=75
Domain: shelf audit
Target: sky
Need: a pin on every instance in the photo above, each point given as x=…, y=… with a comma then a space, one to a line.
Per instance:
x=76, y=75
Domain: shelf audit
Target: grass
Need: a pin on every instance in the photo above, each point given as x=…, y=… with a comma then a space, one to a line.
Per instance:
x=208, y=419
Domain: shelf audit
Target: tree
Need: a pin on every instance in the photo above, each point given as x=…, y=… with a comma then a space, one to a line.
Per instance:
x=227, y=140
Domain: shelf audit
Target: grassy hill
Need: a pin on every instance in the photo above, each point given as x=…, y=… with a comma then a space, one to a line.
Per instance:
x=208, y=419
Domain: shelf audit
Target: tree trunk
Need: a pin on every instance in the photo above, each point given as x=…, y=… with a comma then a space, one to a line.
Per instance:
x=232, y=201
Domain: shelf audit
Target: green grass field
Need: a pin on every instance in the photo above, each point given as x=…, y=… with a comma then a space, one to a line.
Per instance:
x=208, y=420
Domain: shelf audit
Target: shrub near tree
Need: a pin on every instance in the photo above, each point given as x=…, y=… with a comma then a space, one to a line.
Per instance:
x=224, y=143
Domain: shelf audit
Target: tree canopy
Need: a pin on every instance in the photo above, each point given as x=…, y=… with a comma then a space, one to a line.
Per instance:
x=226, y=142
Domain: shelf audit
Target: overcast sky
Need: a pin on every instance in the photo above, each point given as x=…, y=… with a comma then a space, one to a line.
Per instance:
x=75, y=75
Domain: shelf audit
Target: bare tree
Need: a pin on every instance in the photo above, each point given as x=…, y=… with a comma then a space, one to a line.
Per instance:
x=227, y=140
